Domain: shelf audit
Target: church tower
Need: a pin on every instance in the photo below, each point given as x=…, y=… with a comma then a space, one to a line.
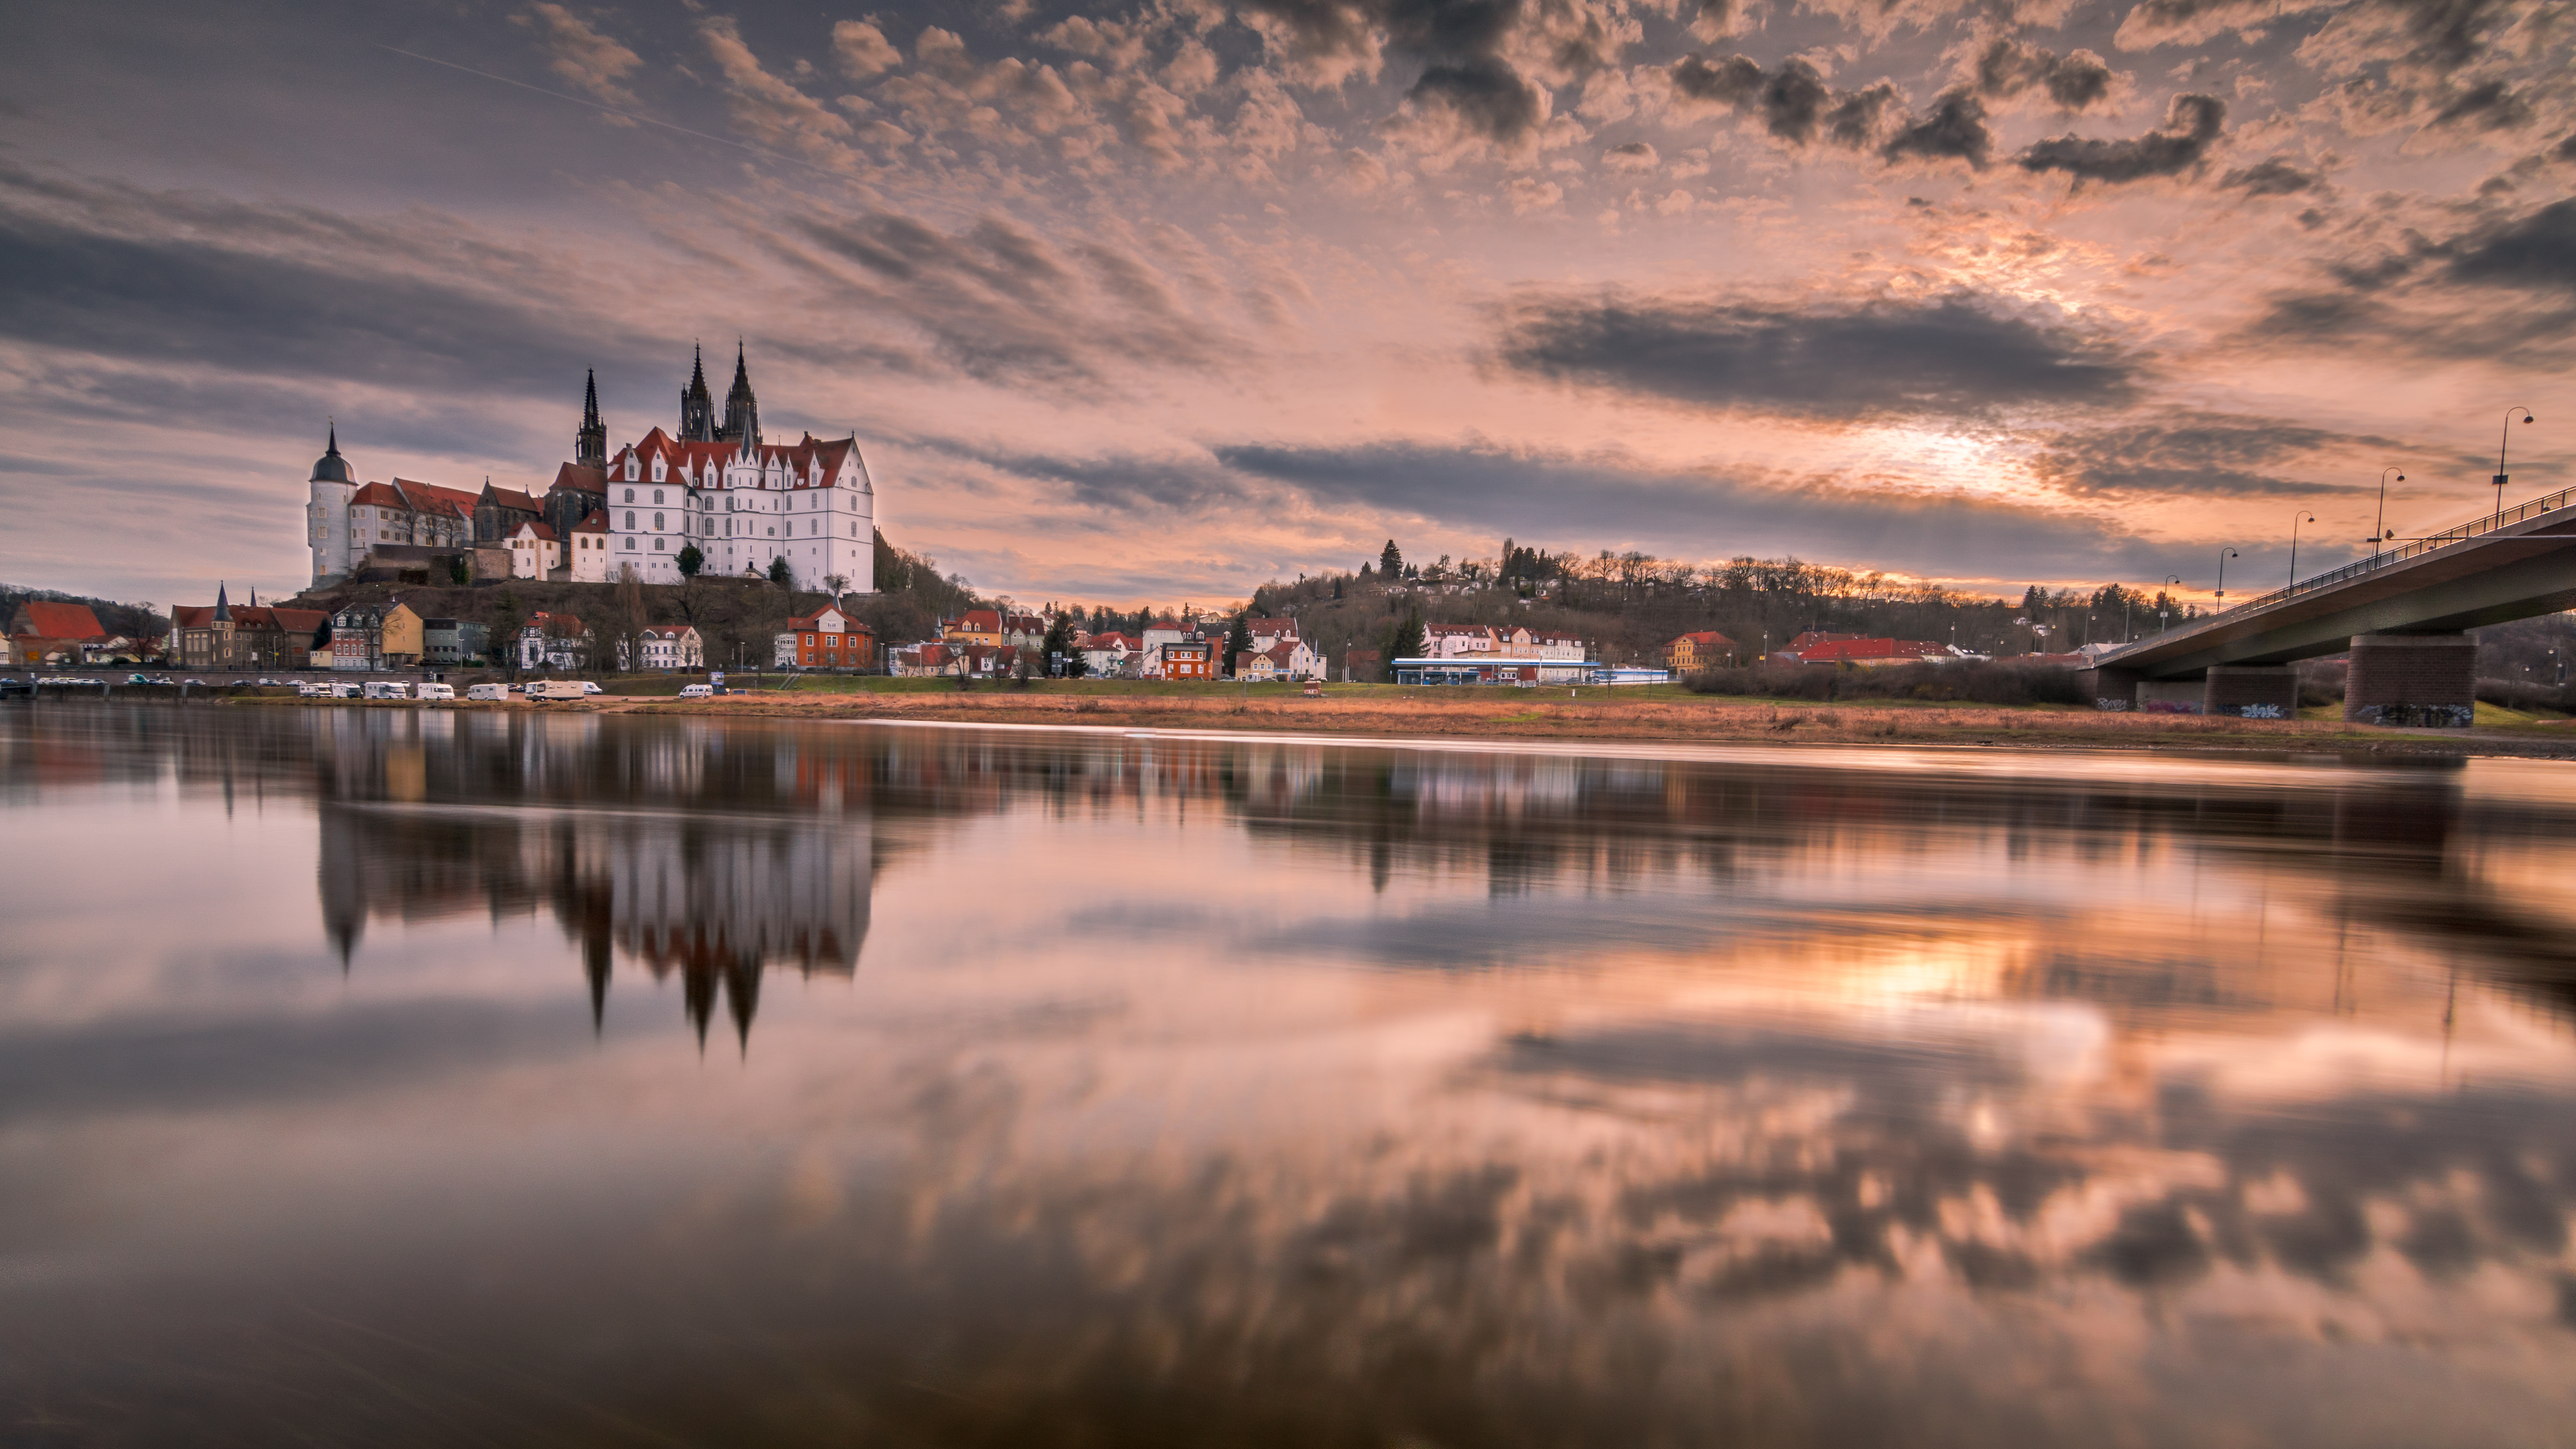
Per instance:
x=590, y=445
x=697, y=409
x=742, y=414
x=326, y=518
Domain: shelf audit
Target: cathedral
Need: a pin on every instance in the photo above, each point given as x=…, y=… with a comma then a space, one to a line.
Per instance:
x=740, y=501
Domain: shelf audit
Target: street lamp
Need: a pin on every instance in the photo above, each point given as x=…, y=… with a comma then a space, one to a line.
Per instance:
x=2165, y=600
x=2501, y=440
x=2304, y=516
x=2224, y=555
x=2379, y=532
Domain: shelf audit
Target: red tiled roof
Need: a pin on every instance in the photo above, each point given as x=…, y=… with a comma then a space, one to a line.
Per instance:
x=566, y=626
x=63, y=621
x=1703, y=636
x=535, y=530
x=595, y=521
x=586, y=480
x=798, y=458
x=513, y=498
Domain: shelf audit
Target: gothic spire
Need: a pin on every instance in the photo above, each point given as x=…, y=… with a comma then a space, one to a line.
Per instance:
x=697, y=408
x=742, y=413
x=223, y=607
x=590, y=445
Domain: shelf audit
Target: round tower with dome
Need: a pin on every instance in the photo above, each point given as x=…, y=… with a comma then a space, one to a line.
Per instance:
x=327, y=516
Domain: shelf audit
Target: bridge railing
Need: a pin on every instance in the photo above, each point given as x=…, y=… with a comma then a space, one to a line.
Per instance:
x=2414, y=548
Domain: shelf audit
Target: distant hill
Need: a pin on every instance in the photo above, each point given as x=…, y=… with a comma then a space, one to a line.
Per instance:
x=131, y=620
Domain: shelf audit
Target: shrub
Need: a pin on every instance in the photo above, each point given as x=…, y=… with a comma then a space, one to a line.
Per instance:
x=1967, y=682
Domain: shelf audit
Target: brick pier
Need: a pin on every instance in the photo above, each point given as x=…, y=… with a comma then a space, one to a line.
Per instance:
x=2412, y=679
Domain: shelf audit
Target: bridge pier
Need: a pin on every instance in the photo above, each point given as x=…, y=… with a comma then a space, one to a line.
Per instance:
x=2412, y=679
x=2251, y=691
x=2115, y=690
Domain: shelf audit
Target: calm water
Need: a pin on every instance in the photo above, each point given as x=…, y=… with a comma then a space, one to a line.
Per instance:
x=378, y=1077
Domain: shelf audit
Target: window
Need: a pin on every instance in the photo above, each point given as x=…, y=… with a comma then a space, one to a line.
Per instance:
x=630, y=493
x=657, y=520
x=630, y=518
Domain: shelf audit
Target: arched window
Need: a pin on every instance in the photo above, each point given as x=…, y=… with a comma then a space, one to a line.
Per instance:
x=657, y=520
x=630, y=518
x=657, y=495
x=657, y=543
x=630, y=493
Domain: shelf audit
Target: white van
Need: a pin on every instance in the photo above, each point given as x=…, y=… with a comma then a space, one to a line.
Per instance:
x=433, y=691
x=388, y=689
x=343, y=688
x=542, y=690
x=488, y=692
x=697, y=691
x=309, y=688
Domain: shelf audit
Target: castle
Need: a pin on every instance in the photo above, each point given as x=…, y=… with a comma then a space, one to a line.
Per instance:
x=742, y=502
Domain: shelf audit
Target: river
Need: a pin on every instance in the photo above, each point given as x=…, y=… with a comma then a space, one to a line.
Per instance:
x=388, y=1077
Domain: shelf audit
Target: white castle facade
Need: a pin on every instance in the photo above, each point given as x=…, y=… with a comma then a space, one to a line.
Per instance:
x=742, y=502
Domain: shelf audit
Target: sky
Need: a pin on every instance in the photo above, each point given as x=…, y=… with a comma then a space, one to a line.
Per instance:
x=1153, y=302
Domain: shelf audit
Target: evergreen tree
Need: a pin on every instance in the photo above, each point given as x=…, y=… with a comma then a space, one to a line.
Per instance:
x=778, y=571
x=690, y=561
x=1055, y=652
x=1407, y=641
x=1237, y=640
x=1390, y=560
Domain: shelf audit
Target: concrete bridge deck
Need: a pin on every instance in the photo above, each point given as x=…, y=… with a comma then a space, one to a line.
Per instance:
x=2401, y=614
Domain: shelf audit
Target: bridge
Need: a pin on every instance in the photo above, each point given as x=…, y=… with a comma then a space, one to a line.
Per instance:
x=2401, y=614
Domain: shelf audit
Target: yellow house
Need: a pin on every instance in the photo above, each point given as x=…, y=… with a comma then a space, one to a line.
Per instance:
x=401, y=637
x=976, y=626
x=1706, y=649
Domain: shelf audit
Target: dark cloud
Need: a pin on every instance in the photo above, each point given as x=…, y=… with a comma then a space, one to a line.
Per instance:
x=2490, y=106
x=1470, y=51
x=183, y=297
x=1484, y=95
x=2199, y=455
x=999, y=303
x=2008, y=67
x=1954, y=129
x=1948, y=356
x=2537, y=250
x=1794, y=101
x=2275, y=177
x=2192, y=123
x=1611, y=501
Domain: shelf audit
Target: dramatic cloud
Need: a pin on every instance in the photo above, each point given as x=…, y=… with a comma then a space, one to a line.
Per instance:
x=2007, y=68
x=1954, y=129
x=1793, y=102
x=2192, y=22
x=2198, y=454
x=1614, y=499
x=2538, y=250
x=2192, y=124
x=585, y=58
x=2275, y=177
x=1948, y=356
x=862, y=50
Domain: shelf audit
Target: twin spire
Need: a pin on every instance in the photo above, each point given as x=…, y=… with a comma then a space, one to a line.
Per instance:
x=741, y=425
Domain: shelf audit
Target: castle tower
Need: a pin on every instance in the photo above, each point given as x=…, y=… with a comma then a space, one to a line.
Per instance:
x=327, y=515
x=590, y=445
x=697, y=408
x=742, y=414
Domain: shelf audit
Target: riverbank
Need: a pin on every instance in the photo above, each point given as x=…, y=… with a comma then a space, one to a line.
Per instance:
x=1606, y=715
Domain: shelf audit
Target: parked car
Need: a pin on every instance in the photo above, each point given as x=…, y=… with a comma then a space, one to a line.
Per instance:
x=696, y=691
x=268, y=684
x=433, y=691
x=488, y=692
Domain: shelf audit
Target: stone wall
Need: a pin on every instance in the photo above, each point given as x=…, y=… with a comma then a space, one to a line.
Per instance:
x=2419, y=680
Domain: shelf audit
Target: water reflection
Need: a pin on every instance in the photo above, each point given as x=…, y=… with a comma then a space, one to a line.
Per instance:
x=1137, y=1087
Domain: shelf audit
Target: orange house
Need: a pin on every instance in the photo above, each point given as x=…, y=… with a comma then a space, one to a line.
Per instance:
x=1703, y=650
x=1189, y=659
x=828, y=639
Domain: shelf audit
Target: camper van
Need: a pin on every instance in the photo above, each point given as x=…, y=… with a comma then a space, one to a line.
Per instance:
x=543, y=690
x=490, y=693
x=696, y=691
x=388, y=689
x=433, y=691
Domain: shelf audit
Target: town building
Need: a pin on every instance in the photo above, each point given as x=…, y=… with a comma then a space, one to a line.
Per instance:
x=534, y=551
x=663, y=646
x=356, y=637
x=826, y=639
x=1869, y=653
x=453, y=641
x=1703, y=649
x=224, y=636
x=554, y=641
x=1363, y=666
x=44, y=631
x=1191, y=659
x=588, y=547
x=1109, y=652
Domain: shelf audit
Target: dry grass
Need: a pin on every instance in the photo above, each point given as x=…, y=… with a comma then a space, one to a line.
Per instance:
x=1700, y=720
